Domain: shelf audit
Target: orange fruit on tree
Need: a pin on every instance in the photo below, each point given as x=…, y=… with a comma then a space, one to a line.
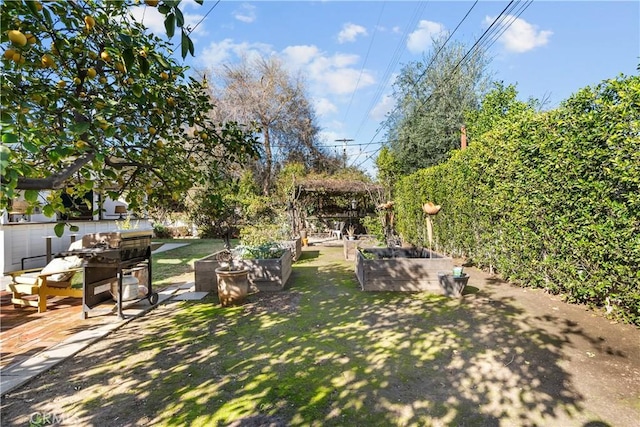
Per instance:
x=17, y=38
x=8, y=54
x=89, y=22
x=47, y=61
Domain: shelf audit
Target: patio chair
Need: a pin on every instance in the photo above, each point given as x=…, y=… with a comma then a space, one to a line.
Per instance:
x=338, y=230
x=52, y=280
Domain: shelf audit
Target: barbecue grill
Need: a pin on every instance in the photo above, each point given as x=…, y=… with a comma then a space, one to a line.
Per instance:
x=106, y=257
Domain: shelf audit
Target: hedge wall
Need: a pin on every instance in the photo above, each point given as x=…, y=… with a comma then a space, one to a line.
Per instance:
x=551, y=200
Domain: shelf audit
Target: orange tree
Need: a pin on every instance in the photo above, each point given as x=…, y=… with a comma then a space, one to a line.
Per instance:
x=93, y=101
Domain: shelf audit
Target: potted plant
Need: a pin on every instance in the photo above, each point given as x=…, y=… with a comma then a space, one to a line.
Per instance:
x=233, y=279
x=351, y=232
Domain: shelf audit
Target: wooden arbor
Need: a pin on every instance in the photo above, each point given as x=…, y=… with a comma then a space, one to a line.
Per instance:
x=326, y=202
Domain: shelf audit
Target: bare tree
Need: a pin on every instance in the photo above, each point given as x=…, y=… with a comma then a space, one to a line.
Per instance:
x=262, y=91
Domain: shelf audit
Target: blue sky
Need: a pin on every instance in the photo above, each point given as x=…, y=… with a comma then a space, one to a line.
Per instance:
x=350, y=51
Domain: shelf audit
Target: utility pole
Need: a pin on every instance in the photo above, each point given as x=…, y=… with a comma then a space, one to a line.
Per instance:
x=344, y=150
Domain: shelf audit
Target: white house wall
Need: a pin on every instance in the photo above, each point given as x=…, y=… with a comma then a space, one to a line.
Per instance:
x=23, y=240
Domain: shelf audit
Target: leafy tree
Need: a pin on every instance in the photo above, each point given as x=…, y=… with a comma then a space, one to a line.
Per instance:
x=262, y=91
x=498, y=107
x=431, y=98
x=93, y=101
x=389, y=171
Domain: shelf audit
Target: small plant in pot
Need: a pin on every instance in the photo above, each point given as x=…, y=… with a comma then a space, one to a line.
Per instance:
x=351, y=232
x=233, y=278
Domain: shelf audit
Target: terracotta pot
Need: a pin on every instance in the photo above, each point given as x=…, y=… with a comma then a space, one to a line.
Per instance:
x=233, y=286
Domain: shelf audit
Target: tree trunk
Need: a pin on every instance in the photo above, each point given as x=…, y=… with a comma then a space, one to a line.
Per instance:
x=266, y=183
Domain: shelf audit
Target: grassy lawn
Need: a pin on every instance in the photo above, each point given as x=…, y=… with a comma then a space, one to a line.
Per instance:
x=180, y=261
x=319, y=353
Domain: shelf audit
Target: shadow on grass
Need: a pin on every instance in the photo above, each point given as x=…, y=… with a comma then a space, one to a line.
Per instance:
x=319, y=353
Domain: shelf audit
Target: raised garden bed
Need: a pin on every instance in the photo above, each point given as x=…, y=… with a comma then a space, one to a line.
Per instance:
x=350, y=247
x=295, y=245
x=264, y=275
x=401, y=269
x=205, y=272
x=269, y=274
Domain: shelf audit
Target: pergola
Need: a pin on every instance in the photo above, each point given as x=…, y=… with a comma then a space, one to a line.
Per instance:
x=331, y=200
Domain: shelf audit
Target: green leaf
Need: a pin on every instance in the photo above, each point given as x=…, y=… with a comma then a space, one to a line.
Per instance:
x=191, y=47
x=185, y=44
x=32, y=7
x=79, y=128
x=6, y=118
x=9, y=138
x=31, y=196
x=137, y=90
x=170, y=25
x=162, y=61
x=179, y=17
x=5, y=152
x=74, y=228
x=144, y=65
x=59, y=229
x=48, y=210
x=128, y=57
x=30, y=147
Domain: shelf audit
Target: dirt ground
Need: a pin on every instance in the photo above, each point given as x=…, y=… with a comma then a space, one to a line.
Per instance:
x=598, y=359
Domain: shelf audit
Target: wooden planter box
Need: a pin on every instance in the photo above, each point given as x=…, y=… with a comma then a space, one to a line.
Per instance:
x=206, y=280
x=395, y=270
x=264, y=275
x=295, y=246
x=350, y=247
x=269, y=274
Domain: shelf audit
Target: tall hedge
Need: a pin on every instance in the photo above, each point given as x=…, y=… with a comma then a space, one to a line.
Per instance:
x=550, y=200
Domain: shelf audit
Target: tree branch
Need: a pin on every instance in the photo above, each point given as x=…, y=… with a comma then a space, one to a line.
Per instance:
x=56, y=180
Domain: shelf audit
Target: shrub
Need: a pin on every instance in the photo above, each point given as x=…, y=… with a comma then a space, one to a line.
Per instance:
x=550, y=200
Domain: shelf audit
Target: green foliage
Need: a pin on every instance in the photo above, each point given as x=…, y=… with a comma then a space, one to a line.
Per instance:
x=374, y=226
x=161, y=231
x=267, y=250
x=265, y=231
x=388, y=170
x=551, y=200
x=104, y=107
x=432, y=96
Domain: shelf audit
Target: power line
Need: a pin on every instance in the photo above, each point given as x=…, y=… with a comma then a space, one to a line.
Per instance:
x=425, y=70
x=364, y=63
x=395, y=57
x=344, y=150
x=481, y=39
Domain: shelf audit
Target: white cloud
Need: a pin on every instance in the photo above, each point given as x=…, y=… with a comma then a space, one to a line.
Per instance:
x=335, y=74
x=420, y=39
x=323, y=106
x=150, y=17
x=350, y=32
x=226, y=51
x=298, y=56
x=327, y=75
x=379, y=112
x=521, y=36
x=154, y=20
x=246, y=13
